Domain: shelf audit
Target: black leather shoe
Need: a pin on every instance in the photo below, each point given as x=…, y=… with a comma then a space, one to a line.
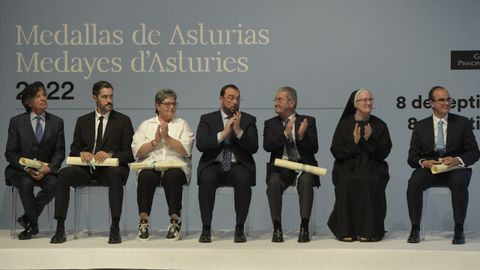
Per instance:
x=30, y=231
x=458, y=238
x=115, y=237
x=205, y=237
x=414, y=236
x=239, y=236
x=59, y=237
x=303, y=236
x=23, y=221
x=277, y=236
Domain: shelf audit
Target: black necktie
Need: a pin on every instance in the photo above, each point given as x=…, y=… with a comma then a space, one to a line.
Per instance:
x=99, y=134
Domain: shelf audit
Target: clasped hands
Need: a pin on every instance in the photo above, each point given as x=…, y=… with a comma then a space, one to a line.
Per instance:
x=233, y=123
x=40, y=173
x=448, y=161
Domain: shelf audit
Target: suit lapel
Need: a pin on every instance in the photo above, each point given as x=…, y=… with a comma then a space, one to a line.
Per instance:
x=108, y=128
x=431, y=133
x=28, y=126
x=451, y=127
x=91, y=129
x=48, y=126
x=218, y=122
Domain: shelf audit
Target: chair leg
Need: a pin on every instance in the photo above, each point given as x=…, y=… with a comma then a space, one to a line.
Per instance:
x=50, y=216
x=185, y=214
x=124, y=211
x=14, y=213
x=424, y=214
x=76, y=214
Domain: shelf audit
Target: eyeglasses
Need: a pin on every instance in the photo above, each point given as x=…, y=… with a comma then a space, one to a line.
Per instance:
x=364, y=100
x=279, y=100
x=169, y=104
x=443, y=100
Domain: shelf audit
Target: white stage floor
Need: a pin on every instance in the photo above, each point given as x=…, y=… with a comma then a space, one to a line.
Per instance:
x=323, y=252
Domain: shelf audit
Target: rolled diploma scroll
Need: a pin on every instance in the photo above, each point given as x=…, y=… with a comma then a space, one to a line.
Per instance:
x=30, y=163
x=110, y=162
x=300, y=167
x=156, y=165
x=440, y=168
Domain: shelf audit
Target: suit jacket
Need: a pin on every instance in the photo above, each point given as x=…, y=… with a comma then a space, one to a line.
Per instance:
x=117, y=138
x=243, y=148
x=460, y=141
x=274, y=141
x=21, y=142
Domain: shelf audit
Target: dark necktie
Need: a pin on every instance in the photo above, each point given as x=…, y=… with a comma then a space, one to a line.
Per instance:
x=292, y=153
x=227, y=154
x=99, y=134
x=39, y=129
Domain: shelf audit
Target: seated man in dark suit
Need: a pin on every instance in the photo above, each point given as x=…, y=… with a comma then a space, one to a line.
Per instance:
x=293, y=137
x=35, y=134
x=444, y=138
x=92, y=141
x=227, y=140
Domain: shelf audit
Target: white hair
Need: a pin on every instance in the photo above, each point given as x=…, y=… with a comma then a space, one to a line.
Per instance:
x=358, y=92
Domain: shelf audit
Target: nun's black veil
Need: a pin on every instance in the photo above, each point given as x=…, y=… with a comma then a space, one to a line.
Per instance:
x=350, y=107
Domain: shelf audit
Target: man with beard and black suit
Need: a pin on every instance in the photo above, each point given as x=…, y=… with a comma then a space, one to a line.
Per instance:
x=101, y=134
x=35, y=134
x=448, y=139
x=293, y=137
x=227, y=139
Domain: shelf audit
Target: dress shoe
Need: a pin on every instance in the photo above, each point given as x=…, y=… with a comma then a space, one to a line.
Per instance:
x=30, y=231
x=458, y=238
x=59, y=237
x=205, y=237
x=23, y=221
x=414, y=236
x=114, y=237
x=277, y=236
x=303, y=236
x=239, y=236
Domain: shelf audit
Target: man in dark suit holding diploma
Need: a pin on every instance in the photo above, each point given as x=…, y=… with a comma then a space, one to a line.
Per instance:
x=443, y=138
x=293, y=137
x=35, y=134
x=101, y=134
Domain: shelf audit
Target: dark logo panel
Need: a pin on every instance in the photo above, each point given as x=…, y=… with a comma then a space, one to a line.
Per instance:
x=465, y=60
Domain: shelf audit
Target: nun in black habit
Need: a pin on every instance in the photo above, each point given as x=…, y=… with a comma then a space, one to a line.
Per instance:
x=360, y=145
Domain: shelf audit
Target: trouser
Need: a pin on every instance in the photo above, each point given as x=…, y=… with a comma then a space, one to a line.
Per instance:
x=172, y=182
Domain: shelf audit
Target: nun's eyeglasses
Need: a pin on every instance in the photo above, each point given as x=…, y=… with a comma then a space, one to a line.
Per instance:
x=364, y=100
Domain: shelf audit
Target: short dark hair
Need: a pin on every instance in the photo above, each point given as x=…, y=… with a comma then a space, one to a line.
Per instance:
x=430, y=93
x=30, y=92
x=99, y=86
x=161, y=95
x=224, y=88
